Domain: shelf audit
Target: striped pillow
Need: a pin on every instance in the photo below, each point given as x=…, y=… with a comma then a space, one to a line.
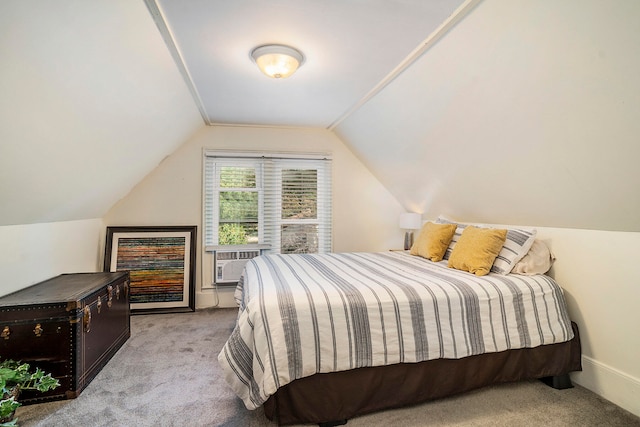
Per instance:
x=515, y=247
x=456, y=235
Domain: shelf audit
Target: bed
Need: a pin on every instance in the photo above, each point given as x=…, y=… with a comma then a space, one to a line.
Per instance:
x=321, y=338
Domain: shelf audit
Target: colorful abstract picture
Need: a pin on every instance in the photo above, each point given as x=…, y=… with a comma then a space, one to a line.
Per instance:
x=161, y=262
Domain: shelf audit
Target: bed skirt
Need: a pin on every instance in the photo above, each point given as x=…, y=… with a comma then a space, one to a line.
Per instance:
x=323, y=398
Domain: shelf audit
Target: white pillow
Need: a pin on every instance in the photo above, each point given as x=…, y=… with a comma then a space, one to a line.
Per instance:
x=538, y=260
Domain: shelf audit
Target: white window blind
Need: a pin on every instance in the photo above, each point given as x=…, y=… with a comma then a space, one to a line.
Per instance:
x=286, y=206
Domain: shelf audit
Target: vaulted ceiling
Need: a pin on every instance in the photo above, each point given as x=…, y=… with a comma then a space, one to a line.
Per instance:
x=503, y=111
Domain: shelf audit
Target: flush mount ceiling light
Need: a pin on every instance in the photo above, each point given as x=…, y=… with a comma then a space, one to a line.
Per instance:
x=277, y=61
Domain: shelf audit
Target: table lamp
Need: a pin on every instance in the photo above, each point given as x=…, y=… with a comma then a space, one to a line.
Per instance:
x=410, y=221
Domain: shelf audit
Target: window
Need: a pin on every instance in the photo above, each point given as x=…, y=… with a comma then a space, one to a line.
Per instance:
x=238, y=205
x=299, y=225
x=282, y=202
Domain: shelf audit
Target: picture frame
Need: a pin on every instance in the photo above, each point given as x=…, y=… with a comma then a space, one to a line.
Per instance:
x=161, y=262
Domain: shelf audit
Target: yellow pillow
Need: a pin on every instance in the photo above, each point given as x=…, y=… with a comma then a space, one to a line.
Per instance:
x=433, y=241
x=476, y=249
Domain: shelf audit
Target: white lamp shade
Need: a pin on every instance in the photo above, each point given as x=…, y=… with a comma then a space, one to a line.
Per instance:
x=277, y=61
x=410, y=221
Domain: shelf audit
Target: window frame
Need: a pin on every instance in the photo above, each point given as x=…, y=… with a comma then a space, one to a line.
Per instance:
x=266, y=164
x=218, y=188
x=297, y=164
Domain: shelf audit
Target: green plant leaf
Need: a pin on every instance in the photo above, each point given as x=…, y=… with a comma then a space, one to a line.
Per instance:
x=7, y=406
x=17, y=374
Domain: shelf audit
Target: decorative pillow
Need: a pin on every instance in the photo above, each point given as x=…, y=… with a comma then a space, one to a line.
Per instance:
x=538, y=260
x=477, y=249
x=516, y=246
x=433, y=241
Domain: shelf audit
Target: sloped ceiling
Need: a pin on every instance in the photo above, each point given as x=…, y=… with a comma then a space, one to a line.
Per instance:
x=90, y=102
x=527, y=112
x=524, y=112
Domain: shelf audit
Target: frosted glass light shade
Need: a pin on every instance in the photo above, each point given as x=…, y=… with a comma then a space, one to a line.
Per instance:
x=277, y=61
x=410, y=221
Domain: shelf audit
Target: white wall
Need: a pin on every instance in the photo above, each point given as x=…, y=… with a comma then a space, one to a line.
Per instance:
x=35, y=252
x=365, y=214
x=598, y=271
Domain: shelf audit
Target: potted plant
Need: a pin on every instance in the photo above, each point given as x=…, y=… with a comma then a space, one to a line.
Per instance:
x=15, y=377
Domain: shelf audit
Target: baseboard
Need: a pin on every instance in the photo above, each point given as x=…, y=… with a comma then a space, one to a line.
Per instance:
x=617, y=387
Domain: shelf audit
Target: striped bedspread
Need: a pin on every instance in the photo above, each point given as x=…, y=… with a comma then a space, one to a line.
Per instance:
x=304, y=314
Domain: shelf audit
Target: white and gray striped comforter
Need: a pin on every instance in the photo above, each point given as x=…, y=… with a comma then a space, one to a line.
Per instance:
x=304, y=314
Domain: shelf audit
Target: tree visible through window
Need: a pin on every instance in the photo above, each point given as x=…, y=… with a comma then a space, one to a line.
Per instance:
x=238, y=204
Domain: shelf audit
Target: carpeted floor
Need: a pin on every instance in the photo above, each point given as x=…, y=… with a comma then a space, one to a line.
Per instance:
x=167, y=374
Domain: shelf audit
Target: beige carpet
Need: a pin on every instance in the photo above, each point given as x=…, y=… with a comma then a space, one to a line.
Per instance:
x=167, y=374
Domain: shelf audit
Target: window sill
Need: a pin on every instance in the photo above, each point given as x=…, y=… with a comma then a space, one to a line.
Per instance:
x=214, y=248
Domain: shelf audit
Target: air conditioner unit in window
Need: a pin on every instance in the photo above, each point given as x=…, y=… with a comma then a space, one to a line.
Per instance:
x=229, y=264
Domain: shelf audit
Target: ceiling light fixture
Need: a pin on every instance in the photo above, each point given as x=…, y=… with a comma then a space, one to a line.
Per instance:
x=277, y=61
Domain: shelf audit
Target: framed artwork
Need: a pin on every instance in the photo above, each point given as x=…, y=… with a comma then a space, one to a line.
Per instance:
x=162, y=266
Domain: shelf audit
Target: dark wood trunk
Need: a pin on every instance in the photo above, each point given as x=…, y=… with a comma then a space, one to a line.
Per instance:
x=69, y=326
